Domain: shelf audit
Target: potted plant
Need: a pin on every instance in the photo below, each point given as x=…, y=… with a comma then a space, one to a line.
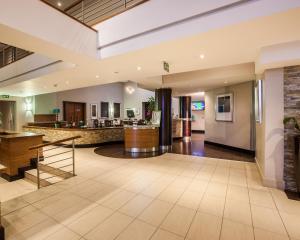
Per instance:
x=150, y=108
x=293, y=139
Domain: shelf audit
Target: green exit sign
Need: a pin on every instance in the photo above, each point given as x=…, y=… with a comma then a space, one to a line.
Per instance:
x=5, y=96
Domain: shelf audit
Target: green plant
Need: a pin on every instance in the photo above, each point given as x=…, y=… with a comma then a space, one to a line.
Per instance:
x=151, y=103
x=293, y=120
x=150, y=108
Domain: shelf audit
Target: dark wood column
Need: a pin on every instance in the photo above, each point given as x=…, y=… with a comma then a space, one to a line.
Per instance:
x=185, y=115
x=163, y=98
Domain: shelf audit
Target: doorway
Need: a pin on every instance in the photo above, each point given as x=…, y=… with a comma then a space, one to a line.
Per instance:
x=74, y=112
x=7, y=115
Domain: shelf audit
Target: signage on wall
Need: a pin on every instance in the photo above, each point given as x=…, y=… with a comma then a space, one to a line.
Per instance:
x=166, y=66
x=4, y=96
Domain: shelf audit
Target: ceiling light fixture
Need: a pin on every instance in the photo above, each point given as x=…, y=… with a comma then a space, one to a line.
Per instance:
x=225, y=82
x=202, y=56
x=116, y=72
x=139, y=68
x=97, y=76
x=59, y=4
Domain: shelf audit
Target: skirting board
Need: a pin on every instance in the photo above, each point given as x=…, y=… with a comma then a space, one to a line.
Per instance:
x=268, y=182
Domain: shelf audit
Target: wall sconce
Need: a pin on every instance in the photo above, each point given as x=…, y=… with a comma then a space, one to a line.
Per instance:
x=130, y=89
x=28, y=107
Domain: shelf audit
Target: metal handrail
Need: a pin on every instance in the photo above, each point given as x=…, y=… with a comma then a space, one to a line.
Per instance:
x=92, y=12
x=10, y=54
x=39, y=150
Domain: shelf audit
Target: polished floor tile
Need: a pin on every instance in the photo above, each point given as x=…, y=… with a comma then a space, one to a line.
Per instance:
x=167, y=197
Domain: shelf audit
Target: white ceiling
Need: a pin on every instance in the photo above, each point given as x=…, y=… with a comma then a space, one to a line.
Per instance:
x=229, y=46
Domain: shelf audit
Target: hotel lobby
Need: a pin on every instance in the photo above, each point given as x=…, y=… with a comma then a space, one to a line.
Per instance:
x=149, y=120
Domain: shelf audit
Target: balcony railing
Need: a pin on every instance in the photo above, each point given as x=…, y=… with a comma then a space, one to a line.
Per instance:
x=10, y=54
x=91, y=12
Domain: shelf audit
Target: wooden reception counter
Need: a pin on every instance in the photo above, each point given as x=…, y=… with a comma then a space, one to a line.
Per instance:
x=141, y=138
x=14, y=153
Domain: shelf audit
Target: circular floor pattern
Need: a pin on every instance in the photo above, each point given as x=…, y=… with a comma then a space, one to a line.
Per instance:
x=117, y=151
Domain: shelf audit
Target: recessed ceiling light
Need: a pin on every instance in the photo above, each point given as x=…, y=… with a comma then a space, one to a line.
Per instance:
x=116, y=72
x=202, y=56
x=139, y=68
x=55, y=85
x=59, y=4
x=97, y=76
x=67, y=82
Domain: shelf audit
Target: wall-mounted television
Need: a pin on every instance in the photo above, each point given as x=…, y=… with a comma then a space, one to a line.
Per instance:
x=198, y=105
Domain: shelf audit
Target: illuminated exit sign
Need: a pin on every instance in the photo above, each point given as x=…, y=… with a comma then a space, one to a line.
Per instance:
x=5, y=96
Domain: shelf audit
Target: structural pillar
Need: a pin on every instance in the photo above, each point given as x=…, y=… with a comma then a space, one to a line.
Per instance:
x=185, y=114
x=163, y=99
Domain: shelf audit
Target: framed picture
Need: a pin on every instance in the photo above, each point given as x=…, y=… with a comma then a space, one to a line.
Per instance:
x=224, y=107
x=94, y=111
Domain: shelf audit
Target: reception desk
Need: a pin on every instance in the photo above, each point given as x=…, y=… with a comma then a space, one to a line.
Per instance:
x=141, y=138
x=89, y=136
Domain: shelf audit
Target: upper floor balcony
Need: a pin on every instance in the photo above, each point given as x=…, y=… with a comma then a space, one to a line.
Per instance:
x=91, y=12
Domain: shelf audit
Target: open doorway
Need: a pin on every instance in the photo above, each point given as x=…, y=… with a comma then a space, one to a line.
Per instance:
x=7, y=115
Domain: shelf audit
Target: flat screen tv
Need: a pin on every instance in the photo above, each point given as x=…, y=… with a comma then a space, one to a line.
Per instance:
x=198, y=106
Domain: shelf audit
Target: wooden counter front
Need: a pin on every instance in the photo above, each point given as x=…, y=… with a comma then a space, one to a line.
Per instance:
x=141, y=139
x=14, y=153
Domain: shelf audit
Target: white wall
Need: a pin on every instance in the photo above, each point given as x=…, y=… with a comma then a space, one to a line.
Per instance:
x=237, y=133
x=198, y=122
x=270, y=133
x=35, y=26
x=30, y=67
x=115, y=39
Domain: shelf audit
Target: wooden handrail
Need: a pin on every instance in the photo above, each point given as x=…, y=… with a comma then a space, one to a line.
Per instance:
x=53, y=143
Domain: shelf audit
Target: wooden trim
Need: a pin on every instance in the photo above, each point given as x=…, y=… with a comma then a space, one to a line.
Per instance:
x=54, y=143
x=82, y=23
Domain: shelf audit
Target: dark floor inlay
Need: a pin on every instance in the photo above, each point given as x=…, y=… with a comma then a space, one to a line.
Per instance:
x=195, y=148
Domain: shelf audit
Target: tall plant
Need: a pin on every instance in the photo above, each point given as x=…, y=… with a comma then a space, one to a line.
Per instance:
x=150, y=108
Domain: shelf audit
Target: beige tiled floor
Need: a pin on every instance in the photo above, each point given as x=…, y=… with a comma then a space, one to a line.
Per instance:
x=170, y=197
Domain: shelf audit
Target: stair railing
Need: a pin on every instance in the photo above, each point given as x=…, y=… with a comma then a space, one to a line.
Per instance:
x=58, y=157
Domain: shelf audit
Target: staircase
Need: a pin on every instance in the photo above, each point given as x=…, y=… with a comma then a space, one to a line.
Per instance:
x=54, y=163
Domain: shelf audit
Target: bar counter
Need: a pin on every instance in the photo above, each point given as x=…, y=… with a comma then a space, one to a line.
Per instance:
x=89, y=136
x=141, y=138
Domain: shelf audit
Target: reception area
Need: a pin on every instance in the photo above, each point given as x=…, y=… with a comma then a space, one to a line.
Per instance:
x=149, y=120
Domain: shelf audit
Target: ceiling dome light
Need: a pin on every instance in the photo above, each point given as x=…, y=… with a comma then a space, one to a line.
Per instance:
x=97, y=76
x=202, y=56
x=59, y=4
x=139, y=68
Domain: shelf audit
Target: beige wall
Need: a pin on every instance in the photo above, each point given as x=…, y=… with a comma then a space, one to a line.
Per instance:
x=270, y=133
x=239, y=132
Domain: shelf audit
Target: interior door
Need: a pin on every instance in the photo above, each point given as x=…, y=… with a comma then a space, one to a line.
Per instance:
x=74, y=112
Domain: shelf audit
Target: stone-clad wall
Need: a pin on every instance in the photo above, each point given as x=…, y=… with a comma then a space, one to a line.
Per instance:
x=291, y=108
x=88, y=137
